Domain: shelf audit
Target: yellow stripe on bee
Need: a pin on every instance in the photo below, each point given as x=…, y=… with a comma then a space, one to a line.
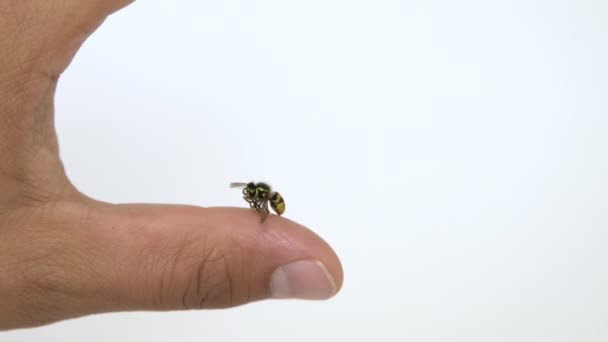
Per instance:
x=278, y=204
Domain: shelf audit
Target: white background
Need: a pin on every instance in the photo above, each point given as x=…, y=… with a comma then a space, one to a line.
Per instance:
x=454, y=153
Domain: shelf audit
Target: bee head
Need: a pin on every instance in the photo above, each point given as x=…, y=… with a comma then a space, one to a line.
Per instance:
x=250, y=189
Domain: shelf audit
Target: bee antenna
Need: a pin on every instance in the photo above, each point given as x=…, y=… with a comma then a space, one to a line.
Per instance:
x=237, y=185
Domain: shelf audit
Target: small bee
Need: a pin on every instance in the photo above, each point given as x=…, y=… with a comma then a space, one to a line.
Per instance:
x=258, y=195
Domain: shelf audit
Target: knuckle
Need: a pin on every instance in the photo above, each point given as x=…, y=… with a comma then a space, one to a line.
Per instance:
x=194, y=270
x=212, y=279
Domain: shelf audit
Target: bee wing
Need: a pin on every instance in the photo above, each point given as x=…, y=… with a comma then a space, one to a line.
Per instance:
x=238, y=185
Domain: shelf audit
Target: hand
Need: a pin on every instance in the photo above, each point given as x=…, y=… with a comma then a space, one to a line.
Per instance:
x=64, y=255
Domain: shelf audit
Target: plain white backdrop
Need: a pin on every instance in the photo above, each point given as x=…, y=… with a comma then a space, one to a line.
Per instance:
x=454, y=153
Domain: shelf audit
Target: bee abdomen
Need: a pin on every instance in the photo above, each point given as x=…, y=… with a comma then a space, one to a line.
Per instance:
x=277, y=203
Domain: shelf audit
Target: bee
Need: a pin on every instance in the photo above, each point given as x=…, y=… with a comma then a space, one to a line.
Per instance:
x=258, y=195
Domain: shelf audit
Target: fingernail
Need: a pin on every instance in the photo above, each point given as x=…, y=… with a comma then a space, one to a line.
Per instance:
x=304, y=279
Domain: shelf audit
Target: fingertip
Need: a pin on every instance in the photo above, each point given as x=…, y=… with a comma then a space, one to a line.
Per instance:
x=286, y=240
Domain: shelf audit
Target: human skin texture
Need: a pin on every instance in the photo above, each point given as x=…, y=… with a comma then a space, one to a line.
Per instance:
x=65, y=255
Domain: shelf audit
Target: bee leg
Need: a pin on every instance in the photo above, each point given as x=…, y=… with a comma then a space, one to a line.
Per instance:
x=251, y=203
x=260, y=204
x=264, y=211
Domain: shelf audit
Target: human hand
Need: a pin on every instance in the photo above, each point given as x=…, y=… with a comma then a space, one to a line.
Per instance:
x=64, y=255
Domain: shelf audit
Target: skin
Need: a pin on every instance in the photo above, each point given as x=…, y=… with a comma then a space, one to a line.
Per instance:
x=64, y=255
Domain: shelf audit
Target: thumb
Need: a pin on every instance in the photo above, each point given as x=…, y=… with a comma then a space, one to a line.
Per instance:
x=157, y=257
